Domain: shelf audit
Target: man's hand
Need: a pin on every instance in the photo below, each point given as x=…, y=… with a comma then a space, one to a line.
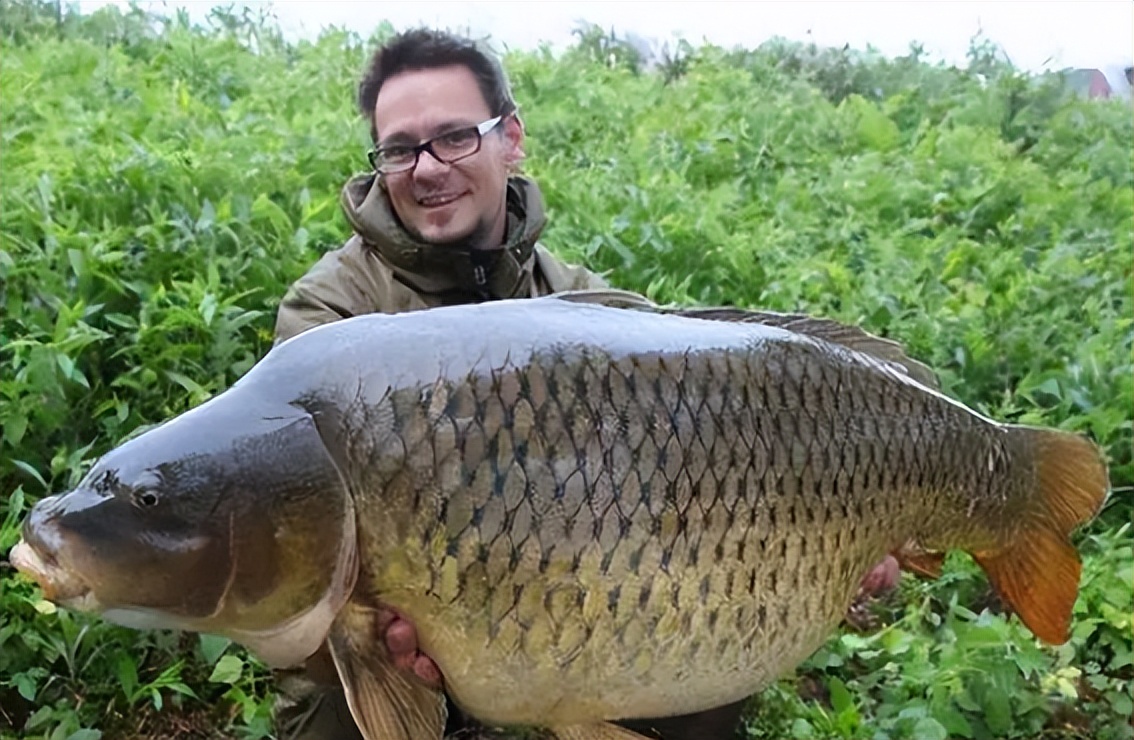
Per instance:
x=401, y=641
x=883, y=577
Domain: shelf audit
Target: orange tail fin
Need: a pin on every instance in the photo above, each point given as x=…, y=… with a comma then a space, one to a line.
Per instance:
x=1038, y=574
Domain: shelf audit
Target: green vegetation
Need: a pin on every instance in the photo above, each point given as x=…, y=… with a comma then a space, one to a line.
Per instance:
x=162, y=184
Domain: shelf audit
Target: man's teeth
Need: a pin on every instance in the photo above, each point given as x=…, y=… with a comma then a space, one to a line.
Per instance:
x=437, y=200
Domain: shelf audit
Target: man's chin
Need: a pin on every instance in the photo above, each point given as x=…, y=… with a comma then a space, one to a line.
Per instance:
x=449, y=235
x=445, y=239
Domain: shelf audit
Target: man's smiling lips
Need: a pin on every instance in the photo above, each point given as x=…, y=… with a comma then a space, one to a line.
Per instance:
x=437, y=201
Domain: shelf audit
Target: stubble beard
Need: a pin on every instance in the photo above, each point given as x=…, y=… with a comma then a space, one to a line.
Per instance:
x=475, y=239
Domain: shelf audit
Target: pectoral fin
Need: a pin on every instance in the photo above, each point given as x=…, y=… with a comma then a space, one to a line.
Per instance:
x=386, y=702
x=600, y=731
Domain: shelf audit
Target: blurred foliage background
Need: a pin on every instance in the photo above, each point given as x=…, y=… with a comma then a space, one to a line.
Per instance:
x=162, y=183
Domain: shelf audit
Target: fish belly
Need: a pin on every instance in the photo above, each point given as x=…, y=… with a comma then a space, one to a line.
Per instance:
x=665, y=630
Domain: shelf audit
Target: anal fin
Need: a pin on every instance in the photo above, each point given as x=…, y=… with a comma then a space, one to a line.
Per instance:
x=386, y=702
x=1039, y=581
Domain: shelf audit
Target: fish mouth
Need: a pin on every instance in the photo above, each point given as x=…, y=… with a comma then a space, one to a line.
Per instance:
x=58, y=584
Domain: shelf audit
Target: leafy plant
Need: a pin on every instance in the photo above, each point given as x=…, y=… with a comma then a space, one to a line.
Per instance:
x=162, y=183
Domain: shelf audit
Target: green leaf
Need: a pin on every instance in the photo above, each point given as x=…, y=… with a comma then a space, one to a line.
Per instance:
x=997, y=710
x=85, y=734
x=208, y=308
x=127, y=673
x=1050, y=387
x=1030, y=659
x=212, y=646
x=77, y=260
x=801, y=729
x=184, y=381
x=25, y=685
x=66, y=365
x=227, y=670
x=39, y=717
x=955, y=723
x=45, y=607
x=1122, y=704
x=841, y=699
x=206, y=219
x=928, y=728
x=14, y=428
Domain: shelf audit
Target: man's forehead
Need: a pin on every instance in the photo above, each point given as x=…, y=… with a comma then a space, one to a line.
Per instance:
x=420, y=103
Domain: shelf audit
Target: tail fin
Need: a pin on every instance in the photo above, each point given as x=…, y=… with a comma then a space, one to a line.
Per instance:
x=1038, y=573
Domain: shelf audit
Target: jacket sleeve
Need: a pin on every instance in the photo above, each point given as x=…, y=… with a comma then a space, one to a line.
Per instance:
x=331, y=290
x=587, y=280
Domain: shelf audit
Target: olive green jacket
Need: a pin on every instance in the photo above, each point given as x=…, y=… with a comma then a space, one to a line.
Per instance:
x=382, y=269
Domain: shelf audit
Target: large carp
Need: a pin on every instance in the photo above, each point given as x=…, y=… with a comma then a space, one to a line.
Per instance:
x=588, y=512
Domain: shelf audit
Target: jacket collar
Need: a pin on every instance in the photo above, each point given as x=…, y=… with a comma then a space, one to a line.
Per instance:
x=428, y=268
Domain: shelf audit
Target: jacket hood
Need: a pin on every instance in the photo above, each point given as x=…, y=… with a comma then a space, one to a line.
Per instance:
x=432, y=268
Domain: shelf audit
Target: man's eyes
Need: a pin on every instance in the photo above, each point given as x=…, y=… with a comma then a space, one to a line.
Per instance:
x=461, y=136
x=397, y=152
x=459, y=139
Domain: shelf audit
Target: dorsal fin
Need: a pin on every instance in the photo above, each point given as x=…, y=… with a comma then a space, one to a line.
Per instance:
x=836, y=332
x=828, y=330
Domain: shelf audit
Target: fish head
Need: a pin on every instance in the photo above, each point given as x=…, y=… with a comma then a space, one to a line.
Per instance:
x=230, y=523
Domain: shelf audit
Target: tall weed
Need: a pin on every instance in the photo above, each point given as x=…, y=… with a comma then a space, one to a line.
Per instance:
x=163, y=183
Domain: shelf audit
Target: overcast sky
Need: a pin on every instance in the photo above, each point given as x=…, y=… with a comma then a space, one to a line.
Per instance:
x=1036, y=34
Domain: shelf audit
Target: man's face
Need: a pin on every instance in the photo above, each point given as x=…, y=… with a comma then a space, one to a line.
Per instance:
x=460, y=203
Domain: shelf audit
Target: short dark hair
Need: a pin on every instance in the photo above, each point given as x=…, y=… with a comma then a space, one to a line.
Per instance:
x=423, y=48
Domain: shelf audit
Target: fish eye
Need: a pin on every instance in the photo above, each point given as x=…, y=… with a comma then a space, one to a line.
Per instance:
x=146, y=498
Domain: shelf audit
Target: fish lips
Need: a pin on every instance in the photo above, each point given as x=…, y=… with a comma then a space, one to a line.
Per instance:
x=40, y=554
x=59, y=584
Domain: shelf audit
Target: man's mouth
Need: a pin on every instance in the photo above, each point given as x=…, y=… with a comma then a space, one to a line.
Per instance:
x=436, y=201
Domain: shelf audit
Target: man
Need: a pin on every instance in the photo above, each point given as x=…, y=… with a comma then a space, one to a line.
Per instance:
x=444, y=219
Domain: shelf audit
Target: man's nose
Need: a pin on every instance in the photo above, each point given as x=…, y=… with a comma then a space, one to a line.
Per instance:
x=428, y=166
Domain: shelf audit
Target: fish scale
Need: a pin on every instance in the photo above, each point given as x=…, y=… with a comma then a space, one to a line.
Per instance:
x=637, y=520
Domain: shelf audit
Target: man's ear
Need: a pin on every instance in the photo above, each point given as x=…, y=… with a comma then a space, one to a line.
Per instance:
x=514, y=140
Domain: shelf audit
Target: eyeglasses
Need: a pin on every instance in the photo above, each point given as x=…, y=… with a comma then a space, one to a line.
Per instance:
x=446, y=148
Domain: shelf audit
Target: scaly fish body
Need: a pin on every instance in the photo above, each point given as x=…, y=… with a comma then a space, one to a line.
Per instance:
x=594, y=526
x=594, y=513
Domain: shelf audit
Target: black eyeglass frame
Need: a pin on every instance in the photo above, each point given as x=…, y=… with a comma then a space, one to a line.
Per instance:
x=481, y=130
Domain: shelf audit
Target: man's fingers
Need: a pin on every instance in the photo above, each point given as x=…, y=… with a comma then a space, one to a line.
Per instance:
x=401, y=639
x=427, y=671
x=384, y=619
x=882, y=577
